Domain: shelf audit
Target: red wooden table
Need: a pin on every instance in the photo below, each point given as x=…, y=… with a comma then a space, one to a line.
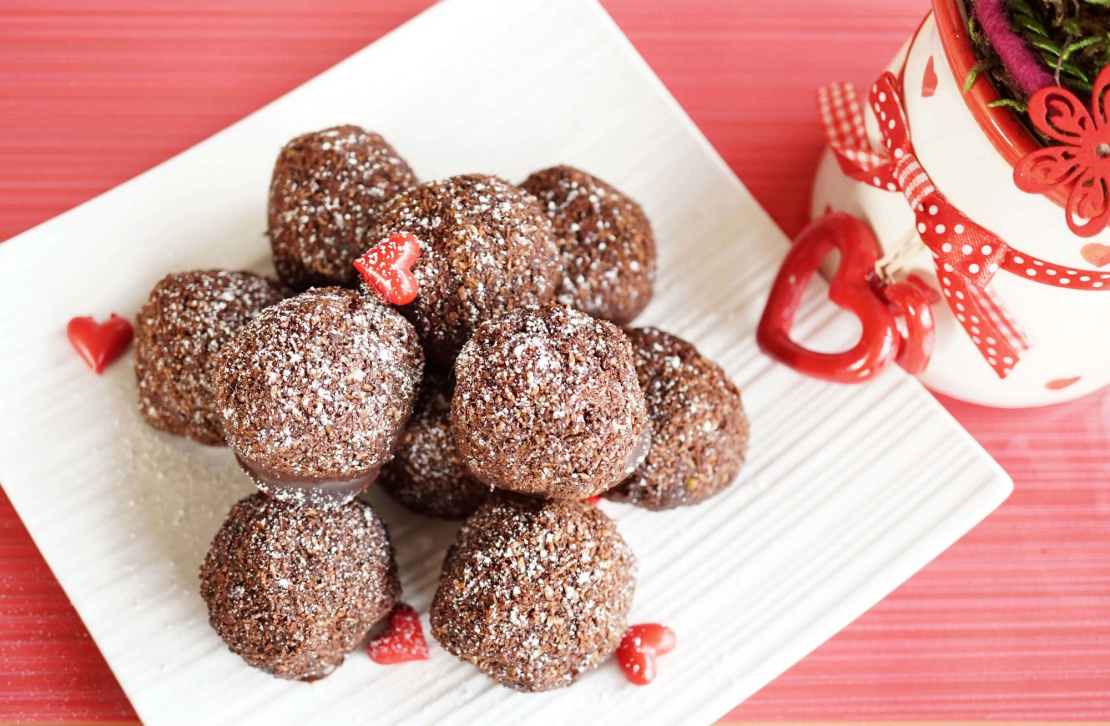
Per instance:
x=1013, y=622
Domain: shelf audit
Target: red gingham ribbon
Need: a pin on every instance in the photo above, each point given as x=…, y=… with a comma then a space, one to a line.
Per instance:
x=965, y=254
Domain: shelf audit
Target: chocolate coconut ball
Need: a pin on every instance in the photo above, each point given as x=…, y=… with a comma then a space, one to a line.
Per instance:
x=699, y=431
x=607, y=245
x=188, y=317
x=327, y=190
x=293, y=590
x=314, y=392
x=486, y=248
x=547, y=403
x=427, y=474
x=535, y=593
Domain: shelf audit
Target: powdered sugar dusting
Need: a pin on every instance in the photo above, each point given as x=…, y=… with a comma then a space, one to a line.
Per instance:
x=699, y=428
x=427, y=473
x=293, y=590
x=487, y=248
x=319, y=385
x=547, y=403
x=187, y=319
x=535, y=593
x=326, y=192
x=607, y=245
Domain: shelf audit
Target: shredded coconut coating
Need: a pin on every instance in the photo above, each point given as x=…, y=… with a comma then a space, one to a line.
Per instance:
x=535, y=593
x=319, y=385
x=547, y=403
x=327, y=190
x=699, y=431
x=427, y=474
x=607, y=246
x=187, y=319
x=293, y=590
x=486, y=248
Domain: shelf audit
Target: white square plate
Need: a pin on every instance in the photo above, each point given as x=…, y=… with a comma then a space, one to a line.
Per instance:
x=848, y=491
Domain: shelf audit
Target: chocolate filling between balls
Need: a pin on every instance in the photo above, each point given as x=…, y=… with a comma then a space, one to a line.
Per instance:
x=318, y=491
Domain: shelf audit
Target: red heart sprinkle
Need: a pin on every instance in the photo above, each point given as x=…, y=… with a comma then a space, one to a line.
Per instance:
x=929, y=82
x=1098, y=255
x=1061, y=383
x=594, y=500
x=100, y=343
x=639, y=649
x=402, y=641
x=387, y=268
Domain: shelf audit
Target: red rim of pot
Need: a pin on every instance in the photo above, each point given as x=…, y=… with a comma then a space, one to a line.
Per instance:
x=1010, y=138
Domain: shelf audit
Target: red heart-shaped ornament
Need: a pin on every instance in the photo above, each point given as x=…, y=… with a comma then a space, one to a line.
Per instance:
x=930, y=80
x=1097, y=254
x=402, y=641
x=851, y=289
x=909, y=302
x=100, y=343
x=387, y=268
x=640, y=647
x=931, y=293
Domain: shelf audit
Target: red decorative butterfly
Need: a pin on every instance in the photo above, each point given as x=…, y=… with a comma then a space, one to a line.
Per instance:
x=1081, y=159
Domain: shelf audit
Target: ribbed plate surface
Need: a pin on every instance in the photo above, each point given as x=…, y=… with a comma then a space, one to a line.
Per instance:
x=848, y=491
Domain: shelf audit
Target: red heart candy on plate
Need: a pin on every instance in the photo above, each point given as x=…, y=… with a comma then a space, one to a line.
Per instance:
x=387, y=268
x=100, y=343
x=929, y=82
x=402, y=641
x=1098, y=255
x=639, y=649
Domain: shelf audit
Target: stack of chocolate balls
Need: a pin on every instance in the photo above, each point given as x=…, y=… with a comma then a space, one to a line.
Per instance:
x=505, y=394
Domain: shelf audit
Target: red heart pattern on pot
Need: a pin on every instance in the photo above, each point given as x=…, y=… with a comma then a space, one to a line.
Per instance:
x=1097, y=254
x=929, y=82
x=99, y=344
x=387, y=268
x=1061, y=383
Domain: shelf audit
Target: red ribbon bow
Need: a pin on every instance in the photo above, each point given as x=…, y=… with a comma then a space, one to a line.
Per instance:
x=965, y=254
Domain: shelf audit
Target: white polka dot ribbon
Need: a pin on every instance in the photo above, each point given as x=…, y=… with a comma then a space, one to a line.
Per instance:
x=966, y=255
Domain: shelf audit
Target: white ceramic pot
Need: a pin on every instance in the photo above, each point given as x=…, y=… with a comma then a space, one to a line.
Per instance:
x=960, y=145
